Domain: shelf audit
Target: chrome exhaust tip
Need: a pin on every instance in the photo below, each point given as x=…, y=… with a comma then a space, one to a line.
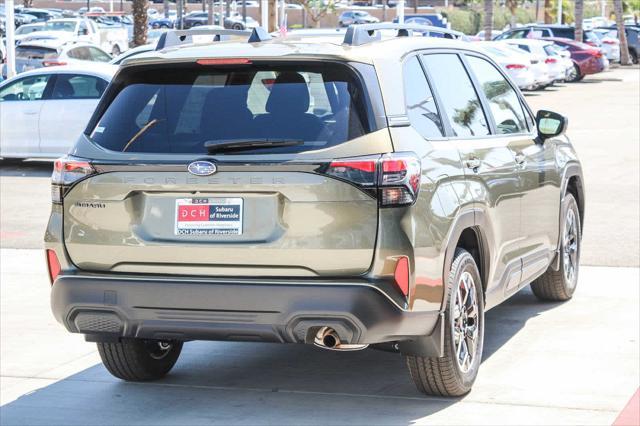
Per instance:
x=327, y=338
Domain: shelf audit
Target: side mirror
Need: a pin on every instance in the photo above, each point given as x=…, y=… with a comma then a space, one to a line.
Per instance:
x=550, y=124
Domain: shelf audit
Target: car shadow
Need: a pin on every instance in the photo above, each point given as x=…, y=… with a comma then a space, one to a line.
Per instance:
x=26, y=168
x=255, y=383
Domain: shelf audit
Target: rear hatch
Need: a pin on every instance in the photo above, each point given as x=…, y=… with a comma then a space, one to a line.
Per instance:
x=30, y=57
x=224, y=168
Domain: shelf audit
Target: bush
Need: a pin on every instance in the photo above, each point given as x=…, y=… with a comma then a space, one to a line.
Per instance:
x=470, y=21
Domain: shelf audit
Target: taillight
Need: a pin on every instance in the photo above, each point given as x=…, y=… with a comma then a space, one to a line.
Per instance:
x=550, y=61
x=53, y=265
x=66, y=171
x=516, y=66
x=401, y=275
x=393, y=178
x=400, y=180
x=52, y=63
x=610, y=41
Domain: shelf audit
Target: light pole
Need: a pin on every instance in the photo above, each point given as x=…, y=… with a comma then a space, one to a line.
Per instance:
x=400, y=11
x=264, y=14
x=559, y=12
x=11, y=41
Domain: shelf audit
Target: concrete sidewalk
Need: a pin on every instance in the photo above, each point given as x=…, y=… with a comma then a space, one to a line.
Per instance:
x=544, y=363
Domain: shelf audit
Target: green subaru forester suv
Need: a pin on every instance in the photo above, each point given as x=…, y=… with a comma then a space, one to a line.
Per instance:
x=372, y=188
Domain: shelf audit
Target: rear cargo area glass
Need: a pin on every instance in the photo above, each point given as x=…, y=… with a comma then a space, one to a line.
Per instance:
x=182, y=108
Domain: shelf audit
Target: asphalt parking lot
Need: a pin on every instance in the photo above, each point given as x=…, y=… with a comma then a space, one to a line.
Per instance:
x=544, y=363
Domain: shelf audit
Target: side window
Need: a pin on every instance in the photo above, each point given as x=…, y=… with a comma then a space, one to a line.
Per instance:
x=25, y=89
x=503, y=100
x=523, y=47
x=421, y=107
x=70, y=86
x=98, y=55
x=460, y=101
x=517, y=34
x=81, y=53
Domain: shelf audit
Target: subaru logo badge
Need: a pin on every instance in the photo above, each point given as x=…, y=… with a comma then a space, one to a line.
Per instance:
x=202, y=168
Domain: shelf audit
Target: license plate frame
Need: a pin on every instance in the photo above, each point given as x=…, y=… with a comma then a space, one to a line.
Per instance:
x=209, y=216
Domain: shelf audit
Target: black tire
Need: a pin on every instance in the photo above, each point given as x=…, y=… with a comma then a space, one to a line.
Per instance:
x=578, y=76
x=115, y=50
x=444, y=376
x=634, y=56
x=138, y=360
x=237, y=27
x=556, y=285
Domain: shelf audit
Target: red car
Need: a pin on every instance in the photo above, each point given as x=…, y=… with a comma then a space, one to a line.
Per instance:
x=586, y=59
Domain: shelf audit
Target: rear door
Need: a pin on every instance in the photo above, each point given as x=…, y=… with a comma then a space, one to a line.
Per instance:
x=66, y=113
x=490, y=168
x=20, y=106
x=165, y=204
x=538, y=181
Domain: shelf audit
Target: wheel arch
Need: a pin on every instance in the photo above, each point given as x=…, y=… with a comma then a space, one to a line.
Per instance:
x=469, y=234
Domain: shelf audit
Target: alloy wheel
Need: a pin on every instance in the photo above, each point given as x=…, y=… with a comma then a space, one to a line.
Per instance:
x=570, y=248
x=158, y=349
x=465, y=322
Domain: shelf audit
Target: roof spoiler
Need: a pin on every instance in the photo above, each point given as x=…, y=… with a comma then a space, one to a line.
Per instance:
x=357, y=35
x=175, y=38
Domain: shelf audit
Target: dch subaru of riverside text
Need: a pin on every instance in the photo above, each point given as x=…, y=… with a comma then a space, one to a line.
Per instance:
x=371, y=188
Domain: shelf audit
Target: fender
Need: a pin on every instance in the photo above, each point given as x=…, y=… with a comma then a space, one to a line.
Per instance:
x=474, y=219
x=572, y=169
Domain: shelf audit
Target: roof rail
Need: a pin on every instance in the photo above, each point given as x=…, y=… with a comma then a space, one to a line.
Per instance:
x=181, y=37
x=357, y=35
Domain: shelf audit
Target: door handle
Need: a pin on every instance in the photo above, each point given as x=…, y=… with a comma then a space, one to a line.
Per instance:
x=473, y=163
x=520, y=159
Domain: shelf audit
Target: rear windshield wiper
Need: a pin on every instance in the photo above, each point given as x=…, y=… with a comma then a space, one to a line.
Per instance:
x=227, y=145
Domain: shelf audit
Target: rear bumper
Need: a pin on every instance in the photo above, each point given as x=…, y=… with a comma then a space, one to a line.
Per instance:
x=107, y=307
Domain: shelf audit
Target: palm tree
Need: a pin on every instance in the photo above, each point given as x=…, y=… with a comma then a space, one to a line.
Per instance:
x=578, y=12
x=139, y=10
x=488, y=19
x=622, y=35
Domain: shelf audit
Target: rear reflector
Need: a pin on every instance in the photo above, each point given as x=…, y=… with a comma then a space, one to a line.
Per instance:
x=401, y=275
x=223, y=61
x=53, y=265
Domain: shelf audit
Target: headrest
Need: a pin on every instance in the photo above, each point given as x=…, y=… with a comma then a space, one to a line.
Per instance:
x=289, y=94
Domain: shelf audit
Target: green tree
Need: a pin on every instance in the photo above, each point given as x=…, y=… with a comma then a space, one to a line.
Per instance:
x=488, y=19
x=622, y=35
x=578, y=13
x=139, y=10
x=317, y=9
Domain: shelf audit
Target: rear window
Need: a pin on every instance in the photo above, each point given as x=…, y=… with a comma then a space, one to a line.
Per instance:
x=180, y=109
x=32, y=52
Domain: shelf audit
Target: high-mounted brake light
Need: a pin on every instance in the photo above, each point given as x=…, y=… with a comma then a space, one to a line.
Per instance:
x=516, y=66
x=394, y=178
x=52, y=63
x=223, y=61
x=66, y=171
x=53, y=265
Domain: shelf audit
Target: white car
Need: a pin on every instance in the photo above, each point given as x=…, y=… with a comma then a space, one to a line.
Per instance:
x=609, y=43
x=517, y=65
x=47, y=53
x=549, y=68
x=49, y=108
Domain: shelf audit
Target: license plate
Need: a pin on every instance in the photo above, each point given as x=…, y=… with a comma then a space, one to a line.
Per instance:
x=209, y=216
